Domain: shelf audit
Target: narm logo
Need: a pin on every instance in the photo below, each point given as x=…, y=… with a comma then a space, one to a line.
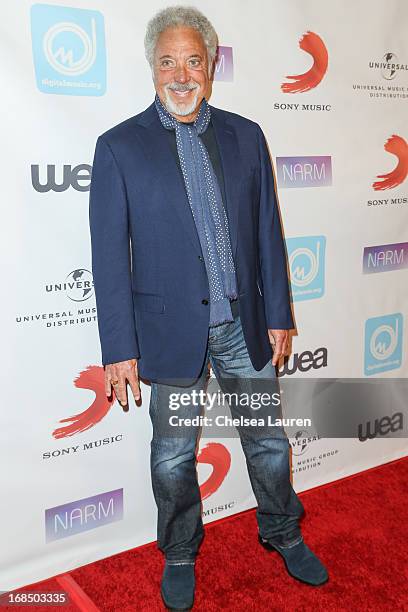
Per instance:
x=306, y=171
x=380, y=427
x=224, y=66
x=83, y=514
x=385, y=257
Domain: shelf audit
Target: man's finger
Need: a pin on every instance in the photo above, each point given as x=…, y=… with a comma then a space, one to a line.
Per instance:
x=109, y=377
x=277, y=351
x=108, y=385
x=135, y=386
x=121, y=391
x=135, y=383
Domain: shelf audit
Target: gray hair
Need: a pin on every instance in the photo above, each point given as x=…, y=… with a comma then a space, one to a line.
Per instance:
x=176, y=16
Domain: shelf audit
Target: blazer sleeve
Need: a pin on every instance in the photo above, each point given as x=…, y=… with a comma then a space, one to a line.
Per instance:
x=111, y=262
x=272, y=254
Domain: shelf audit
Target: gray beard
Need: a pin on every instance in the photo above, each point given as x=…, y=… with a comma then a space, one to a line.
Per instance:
x=180, y=109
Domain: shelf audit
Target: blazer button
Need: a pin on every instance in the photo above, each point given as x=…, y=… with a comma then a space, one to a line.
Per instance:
x=201, y=258
x=205, y=302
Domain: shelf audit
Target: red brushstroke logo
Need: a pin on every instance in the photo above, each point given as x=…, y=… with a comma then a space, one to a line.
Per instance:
x=314, y=45
x=92, y=378
x=218, y=456
x=397, y=146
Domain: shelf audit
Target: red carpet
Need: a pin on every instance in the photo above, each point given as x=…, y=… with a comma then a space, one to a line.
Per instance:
x=358, y=526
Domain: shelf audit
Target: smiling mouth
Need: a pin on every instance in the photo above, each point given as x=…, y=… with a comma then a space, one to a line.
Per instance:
x=181, y=94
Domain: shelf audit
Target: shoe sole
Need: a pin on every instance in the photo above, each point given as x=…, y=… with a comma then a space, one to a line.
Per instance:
x=171, y=608
x=271, y=548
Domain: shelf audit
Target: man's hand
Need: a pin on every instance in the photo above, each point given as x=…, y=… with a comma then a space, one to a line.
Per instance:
x=279, y=339
x=116, y=375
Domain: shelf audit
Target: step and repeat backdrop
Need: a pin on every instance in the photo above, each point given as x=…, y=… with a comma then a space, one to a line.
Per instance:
x=329, y=87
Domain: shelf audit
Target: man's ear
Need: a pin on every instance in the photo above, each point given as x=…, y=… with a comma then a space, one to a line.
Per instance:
x=211, y=68
x=212, y=64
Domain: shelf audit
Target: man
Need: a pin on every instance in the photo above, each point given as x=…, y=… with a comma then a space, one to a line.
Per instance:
x=191, y=188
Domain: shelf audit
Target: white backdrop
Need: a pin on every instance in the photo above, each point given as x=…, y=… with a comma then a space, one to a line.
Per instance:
x=75, y=495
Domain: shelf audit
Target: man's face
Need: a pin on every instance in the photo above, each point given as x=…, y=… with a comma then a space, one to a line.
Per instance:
x=181, y=71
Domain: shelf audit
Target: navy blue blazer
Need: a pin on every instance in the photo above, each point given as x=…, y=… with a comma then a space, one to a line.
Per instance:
x=150, y=281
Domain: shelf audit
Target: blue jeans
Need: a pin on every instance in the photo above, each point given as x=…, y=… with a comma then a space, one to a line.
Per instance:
x=173, y=459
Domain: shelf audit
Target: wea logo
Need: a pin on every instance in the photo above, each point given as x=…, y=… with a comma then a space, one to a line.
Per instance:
x=77, y=177
x=306, y=263
x=383, y=344
x=68, y=50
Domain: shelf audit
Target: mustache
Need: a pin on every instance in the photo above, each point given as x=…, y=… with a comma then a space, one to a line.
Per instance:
x=182, y=86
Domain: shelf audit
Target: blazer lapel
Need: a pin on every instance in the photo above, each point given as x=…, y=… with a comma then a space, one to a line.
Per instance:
x=168, y=171
x=162, y=156
x=228, y=147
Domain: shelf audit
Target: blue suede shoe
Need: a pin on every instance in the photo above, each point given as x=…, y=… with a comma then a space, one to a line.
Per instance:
x=300, y=562
x=177, y=586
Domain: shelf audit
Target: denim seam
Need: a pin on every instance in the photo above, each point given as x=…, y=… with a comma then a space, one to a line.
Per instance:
x=180, y=562
x=285, y=546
